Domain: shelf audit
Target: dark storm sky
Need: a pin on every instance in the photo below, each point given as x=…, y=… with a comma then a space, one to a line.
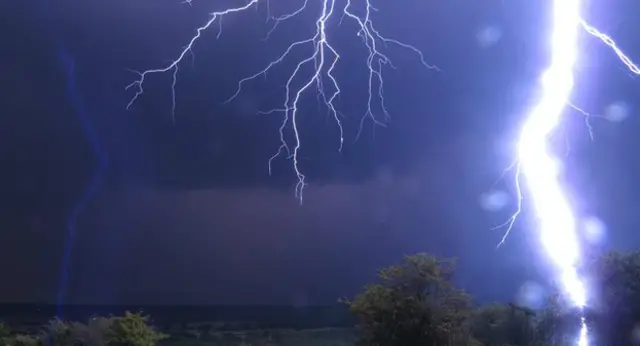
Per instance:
x=187, y=213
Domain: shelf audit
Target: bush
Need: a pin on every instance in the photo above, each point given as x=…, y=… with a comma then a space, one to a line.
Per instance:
x=57, y=333
x=132, y=330
x=415, y=303
x=93, y=333
x=129, y=330
x=25, y=340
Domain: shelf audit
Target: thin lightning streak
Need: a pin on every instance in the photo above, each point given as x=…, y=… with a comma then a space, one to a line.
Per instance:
x=323, y=58
x=519, y=197
x=137, y=85
x=66, y=59
x=96, y=178
x=282, y=18
x=174, y=81
x=612, y=44
x=587, y=119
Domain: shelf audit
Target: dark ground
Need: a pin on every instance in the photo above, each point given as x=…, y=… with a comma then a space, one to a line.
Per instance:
x=165, y=317
x=209, y=325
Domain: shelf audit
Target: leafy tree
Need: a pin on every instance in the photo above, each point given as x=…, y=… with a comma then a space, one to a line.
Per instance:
x=132, y=330
x=415, y=303
x=7, y=338
x=25, y=340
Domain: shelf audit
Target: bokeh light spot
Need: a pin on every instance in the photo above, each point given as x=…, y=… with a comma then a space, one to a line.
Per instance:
x=531, y=294
x=494, y=200
x=617, y=111
x=488, y=36
x=594, y=230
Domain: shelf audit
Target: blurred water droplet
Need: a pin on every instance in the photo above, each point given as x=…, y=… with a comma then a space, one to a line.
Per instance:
x=531, y=294
x=617, y=111
x=594, y=230
x=494, y=200
x=635, y=333
x=488, y=36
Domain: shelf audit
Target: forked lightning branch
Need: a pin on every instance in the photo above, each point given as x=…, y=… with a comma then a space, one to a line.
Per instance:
x=323, y=59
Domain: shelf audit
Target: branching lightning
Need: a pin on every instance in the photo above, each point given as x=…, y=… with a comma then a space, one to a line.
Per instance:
x=323, y=58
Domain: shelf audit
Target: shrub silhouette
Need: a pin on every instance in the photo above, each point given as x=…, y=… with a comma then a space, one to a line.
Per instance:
x=132, y=330
x=415, y=303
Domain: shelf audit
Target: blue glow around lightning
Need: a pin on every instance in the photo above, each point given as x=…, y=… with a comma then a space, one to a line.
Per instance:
x=98, y=172
x=67, y=61
x=323, y=57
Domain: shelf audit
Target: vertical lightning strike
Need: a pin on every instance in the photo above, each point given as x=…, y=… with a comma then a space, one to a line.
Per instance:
x=540, y=167
x=323, y=58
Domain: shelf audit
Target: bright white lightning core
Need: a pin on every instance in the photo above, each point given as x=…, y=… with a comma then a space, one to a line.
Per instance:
x=323, y=59
x=540, y=167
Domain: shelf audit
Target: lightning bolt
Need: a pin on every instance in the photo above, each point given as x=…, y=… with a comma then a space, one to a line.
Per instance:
x=82, y=112
x=323, y=58
x=538, y=167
